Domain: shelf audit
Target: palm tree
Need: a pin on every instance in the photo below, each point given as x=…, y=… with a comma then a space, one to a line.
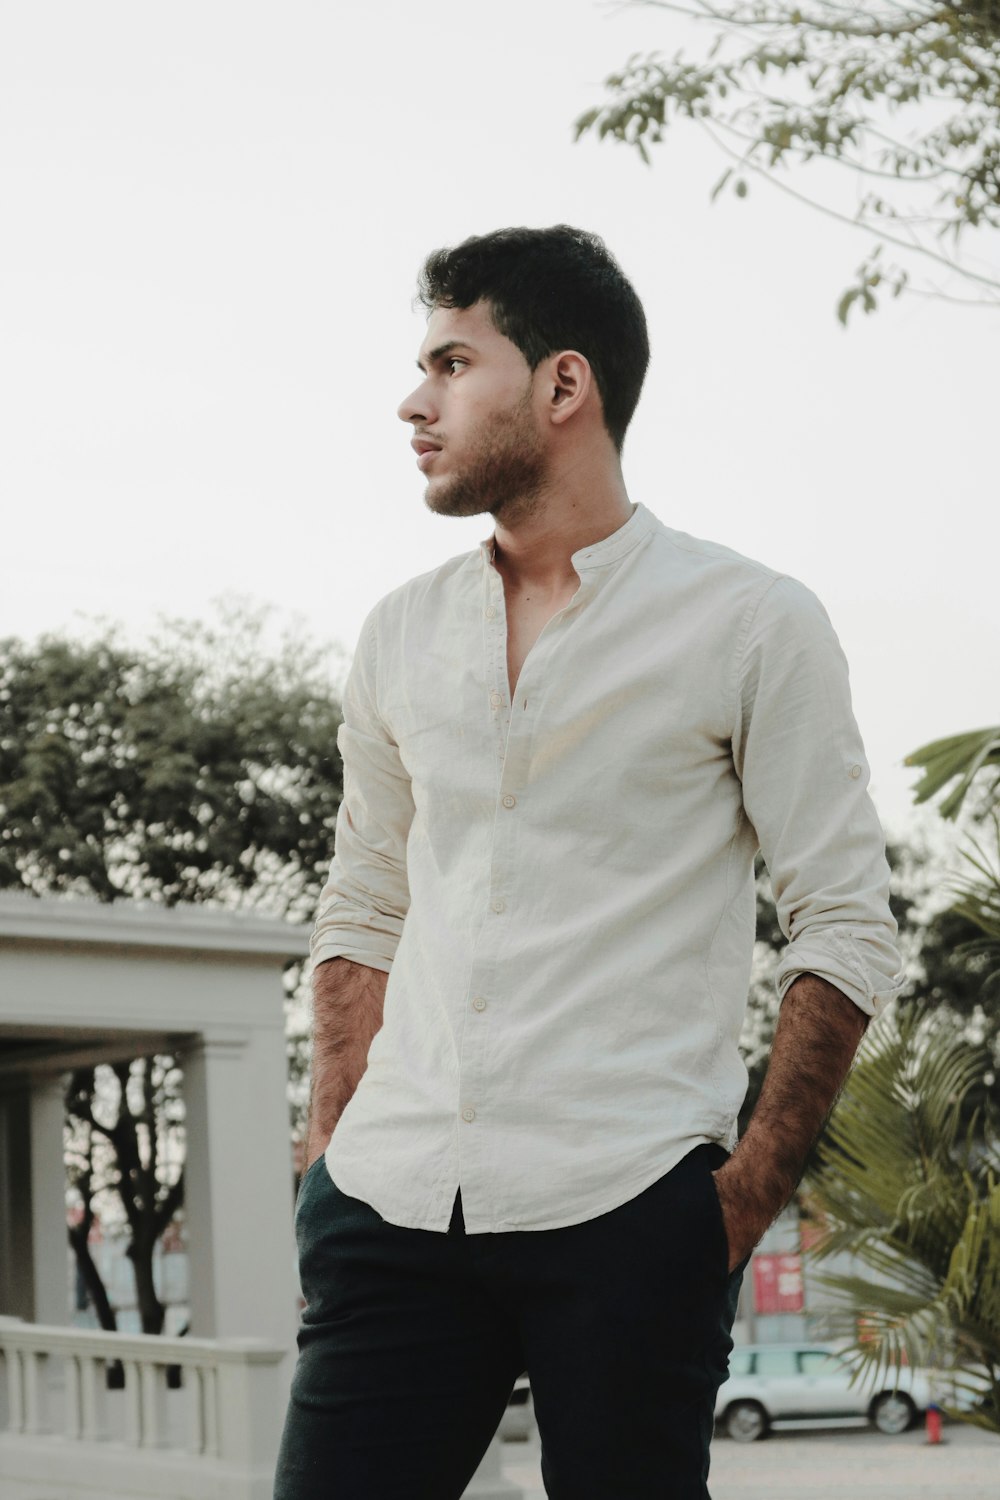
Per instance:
x=910, y=1189
x=906, y=1179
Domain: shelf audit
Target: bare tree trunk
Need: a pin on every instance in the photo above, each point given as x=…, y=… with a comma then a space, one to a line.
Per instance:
x=149, y=1204
x=96, y=1290
x=151, y=1310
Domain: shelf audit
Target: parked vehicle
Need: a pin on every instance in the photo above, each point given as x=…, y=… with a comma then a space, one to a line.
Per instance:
x=806, y=1385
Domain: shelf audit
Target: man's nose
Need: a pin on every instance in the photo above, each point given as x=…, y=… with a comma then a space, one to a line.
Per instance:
x=417, y=406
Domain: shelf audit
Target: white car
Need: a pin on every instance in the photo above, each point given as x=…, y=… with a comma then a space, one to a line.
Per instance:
x=807, y=1385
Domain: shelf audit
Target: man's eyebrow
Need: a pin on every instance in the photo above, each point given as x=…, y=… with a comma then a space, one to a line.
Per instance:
x=438, y=354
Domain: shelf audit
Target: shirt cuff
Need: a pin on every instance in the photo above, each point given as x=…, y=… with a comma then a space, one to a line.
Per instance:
x=838, y=957
x=330, y=946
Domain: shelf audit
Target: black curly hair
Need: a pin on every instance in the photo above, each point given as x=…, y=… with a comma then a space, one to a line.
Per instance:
x=548, y=290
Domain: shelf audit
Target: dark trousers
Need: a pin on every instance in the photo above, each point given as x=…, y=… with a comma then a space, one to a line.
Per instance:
x=411, y=1342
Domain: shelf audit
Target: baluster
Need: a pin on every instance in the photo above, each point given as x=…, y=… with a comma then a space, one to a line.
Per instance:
x=209, y=1410
x=74, y=1398
x=133, y=1404
x=89, y=1411
x=15, y=1387
x=150, y=1377
x=35, y=1403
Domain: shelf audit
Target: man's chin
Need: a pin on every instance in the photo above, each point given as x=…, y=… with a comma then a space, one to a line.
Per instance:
x=444, y=500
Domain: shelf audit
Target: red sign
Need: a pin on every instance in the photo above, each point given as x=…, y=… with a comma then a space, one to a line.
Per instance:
x=777, y=1284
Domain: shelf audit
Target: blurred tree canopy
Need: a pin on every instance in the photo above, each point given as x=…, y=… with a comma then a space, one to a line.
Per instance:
x=200, y=768
x=203, y=768
x=906, y=97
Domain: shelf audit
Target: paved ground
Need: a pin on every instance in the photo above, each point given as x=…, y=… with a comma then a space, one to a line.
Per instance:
x=831, y=1465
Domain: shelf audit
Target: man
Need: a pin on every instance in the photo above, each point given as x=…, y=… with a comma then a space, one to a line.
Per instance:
x=561, y=754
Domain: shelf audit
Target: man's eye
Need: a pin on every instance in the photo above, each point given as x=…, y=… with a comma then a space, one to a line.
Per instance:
x=453, y=362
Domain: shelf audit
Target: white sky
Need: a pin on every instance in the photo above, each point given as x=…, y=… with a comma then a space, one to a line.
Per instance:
x=213, y=215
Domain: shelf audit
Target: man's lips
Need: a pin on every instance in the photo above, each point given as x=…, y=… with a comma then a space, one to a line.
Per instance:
x=426, y=452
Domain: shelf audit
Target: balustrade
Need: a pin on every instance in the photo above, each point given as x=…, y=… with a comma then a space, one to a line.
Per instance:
x=206, y=1401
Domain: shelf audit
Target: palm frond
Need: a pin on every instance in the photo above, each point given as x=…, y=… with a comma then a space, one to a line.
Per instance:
x=961, y=756
x=904, y=1185
x=980, y=892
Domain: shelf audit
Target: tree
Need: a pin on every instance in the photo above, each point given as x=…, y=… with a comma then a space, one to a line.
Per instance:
x=202, y=768
x=127, y=1138
x=908, y=1175
x=902, y=1184
x=788, y=83
x=970, y=764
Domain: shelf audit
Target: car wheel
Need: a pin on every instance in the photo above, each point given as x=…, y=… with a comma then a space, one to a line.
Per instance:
x=893, y=1412
x=745, y=1421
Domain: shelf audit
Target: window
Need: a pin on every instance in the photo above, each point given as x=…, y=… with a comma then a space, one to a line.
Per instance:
x=775, y=1362
x=818, y=1362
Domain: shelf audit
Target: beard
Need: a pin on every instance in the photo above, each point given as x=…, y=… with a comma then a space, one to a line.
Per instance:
x=505, y=474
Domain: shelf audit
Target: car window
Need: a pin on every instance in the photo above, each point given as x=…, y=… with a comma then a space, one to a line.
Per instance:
x=818, y=1362
x=739, y=1362
x=775, y=1362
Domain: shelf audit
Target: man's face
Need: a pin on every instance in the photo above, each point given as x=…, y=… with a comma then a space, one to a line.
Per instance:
x=475, y=428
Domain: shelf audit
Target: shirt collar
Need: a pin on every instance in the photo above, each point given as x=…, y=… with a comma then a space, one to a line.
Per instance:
x=599, y=554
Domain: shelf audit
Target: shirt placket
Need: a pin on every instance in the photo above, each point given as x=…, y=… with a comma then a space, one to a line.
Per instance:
x=484, y=1004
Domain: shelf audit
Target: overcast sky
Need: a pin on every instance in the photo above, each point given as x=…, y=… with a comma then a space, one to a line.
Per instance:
x=213, y=215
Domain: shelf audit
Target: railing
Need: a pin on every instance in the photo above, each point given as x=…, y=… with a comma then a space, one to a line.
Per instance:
x=115, y=1414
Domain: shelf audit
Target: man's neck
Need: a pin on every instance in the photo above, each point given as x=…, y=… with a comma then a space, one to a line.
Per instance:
x=535, y=551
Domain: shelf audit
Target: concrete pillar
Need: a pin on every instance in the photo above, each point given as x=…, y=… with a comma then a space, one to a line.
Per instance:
x=17, y=1281
x=34, y=1267
x=239, y=1190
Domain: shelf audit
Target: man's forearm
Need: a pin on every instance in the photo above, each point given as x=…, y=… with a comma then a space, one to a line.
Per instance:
x=816, y=1038
x=348, y=999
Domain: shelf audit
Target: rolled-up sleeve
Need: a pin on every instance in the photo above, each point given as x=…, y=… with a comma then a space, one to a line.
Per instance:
x=805, y=789
x=366, y=897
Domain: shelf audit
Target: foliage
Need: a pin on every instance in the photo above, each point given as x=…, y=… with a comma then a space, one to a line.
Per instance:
x=901, y=1183
x=202, y=768
x=788, y=83
x=199, y=770
x=958, y=759
x=907, y=1177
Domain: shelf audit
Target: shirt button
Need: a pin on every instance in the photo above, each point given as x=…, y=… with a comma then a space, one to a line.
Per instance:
x=468, y=1115
x=855, y=772
x=499, y=904
x=491, y=610
x=479, y=1003
x=509, y=801
x=496, y=700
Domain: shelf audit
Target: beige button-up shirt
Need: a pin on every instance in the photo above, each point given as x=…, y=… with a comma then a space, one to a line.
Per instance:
x=560, y=884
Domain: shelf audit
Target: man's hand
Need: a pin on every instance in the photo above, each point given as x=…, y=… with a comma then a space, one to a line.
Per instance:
x=745, y=1219
x=817, y=1036
x=348, y=1000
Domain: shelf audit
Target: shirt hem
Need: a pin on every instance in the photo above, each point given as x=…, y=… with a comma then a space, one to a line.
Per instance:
x=579, y=1213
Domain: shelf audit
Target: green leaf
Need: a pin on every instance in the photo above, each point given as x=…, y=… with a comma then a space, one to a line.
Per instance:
x=846, y=303
x=959, y=756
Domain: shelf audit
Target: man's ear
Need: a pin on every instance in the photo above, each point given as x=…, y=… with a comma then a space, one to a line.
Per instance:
x=570, y=383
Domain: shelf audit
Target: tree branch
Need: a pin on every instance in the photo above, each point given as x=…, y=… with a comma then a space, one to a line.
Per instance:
x=832, y=213
x=873, y=32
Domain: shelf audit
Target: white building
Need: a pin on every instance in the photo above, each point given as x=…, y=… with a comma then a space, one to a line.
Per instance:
x=83, y=983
